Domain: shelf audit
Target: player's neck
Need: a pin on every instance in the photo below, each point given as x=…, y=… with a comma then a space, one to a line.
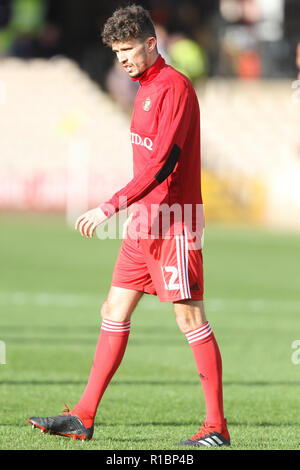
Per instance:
x=145, y=75
x=152, y=60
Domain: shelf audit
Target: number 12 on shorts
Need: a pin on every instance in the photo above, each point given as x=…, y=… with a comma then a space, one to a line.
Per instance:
x=170, y=276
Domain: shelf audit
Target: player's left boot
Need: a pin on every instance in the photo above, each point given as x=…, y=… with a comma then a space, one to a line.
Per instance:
x=63, y=425
x=208, y=436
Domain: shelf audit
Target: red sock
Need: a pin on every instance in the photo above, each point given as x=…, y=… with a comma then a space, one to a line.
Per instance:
x=209, y=365
x=108, y=356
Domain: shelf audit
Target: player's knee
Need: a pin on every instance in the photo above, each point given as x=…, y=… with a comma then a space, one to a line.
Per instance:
x=184, y=323
x=110, y=311
x=188, y=318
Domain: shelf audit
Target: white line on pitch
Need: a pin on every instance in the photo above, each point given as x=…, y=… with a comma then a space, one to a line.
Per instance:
x=70, y=300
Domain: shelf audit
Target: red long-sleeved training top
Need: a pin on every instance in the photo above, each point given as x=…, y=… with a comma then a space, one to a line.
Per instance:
x=165, y=137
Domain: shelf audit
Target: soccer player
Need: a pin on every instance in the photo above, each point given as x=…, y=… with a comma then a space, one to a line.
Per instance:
x=165, y=136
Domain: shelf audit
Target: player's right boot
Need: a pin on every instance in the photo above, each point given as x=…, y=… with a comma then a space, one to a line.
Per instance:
x=63, y=425
x=208, y=436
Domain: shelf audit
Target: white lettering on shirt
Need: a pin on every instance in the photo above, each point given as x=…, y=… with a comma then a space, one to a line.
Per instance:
x=138, y=140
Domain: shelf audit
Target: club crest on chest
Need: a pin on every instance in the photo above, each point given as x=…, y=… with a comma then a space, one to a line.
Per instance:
x=147, y=104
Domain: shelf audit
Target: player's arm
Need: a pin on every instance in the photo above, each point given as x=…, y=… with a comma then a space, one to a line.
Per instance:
x=175, y=115
x=176, y=112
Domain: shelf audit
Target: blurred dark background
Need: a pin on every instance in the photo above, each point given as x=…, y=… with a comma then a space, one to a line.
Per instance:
x=227, y=38
x=64, y=133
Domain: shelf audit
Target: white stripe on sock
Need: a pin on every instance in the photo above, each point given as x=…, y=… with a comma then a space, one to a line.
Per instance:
x=115, y=327
x=201, y=329
x=200, y=337
x=114, y=330
x=116, y=323
x=199, y=334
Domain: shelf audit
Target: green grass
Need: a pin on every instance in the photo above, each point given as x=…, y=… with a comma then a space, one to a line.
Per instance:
x=52, y=285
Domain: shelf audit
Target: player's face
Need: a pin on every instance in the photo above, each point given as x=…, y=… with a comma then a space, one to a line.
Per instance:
x=134, y=56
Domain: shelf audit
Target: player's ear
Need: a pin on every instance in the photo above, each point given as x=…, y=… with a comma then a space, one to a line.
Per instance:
x=151, y=44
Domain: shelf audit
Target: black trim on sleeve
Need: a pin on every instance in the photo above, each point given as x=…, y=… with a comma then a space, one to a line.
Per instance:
x=169, y=165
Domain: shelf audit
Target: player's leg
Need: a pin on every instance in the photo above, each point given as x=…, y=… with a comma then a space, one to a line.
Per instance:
x=116, y=313
x=191, y=320
x=130, y=280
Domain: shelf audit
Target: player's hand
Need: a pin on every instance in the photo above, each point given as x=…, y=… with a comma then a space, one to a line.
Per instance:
x=88, y=221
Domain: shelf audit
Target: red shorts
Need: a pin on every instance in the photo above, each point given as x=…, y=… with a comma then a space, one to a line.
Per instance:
x=165, y=267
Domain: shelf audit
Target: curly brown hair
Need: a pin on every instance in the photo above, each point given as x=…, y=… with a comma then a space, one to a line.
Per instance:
x=131, y=22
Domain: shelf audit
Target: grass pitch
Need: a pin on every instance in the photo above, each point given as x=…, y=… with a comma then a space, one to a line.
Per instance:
x=53, y=283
